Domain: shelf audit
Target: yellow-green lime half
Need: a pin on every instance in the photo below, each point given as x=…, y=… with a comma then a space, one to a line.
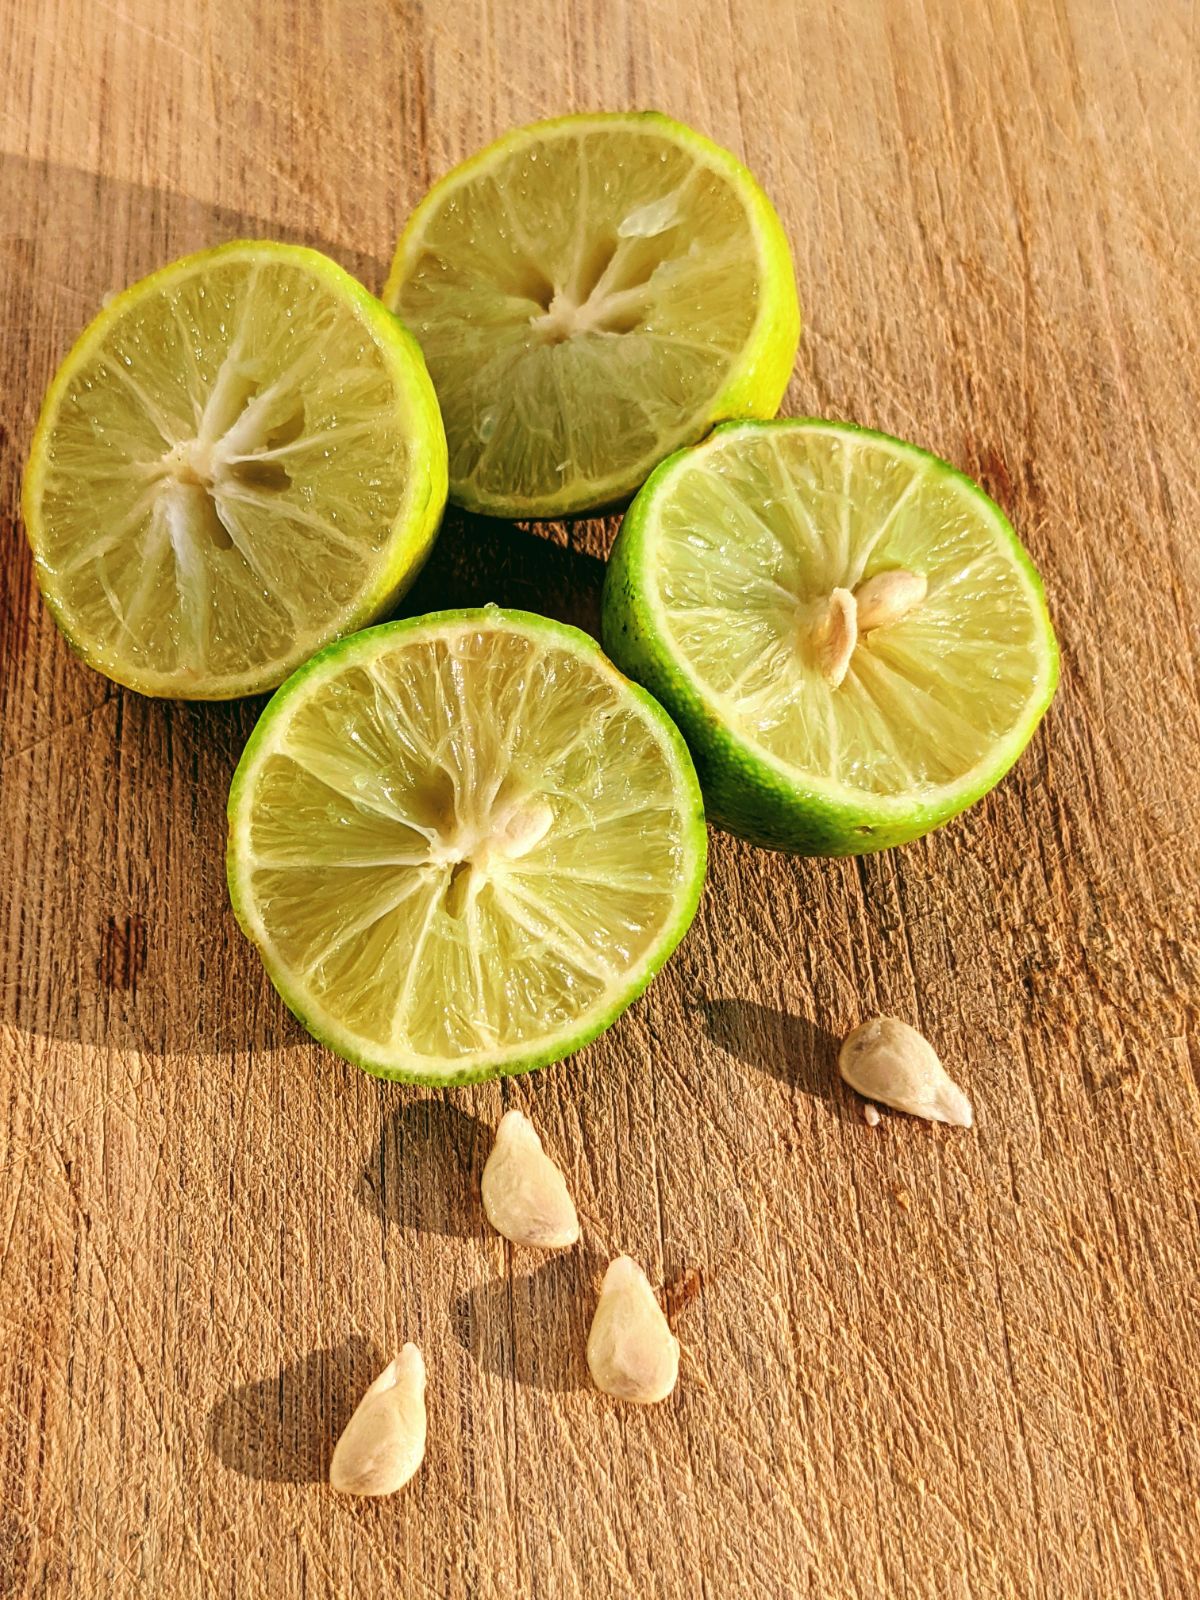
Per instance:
x=240, y=459
x=463, y=844
x=592, y=293
x=846, y=629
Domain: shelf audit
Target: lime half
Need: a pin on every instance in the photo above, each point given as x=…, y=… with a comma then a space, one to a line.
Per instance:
x=463, y=844
x=591, y=294
x=846, y=629
x=240, y=459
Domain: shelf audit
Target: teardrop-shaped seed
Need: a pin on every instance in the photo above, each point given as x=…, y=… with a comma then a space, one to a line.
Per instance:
x=525, y=1195
x=887, y=1060
x=383, y=1444
x=889, y=596
x=631, y=1351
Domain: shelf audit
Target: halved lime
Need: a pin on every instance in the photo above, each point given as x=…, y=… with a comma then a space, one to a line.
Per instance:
x=846, y=629
x=240, y=459
x=463, y=844
x=592, y=293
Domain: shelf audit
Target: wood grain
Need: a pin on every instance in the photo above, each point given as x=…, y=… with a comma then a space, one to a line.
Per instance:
x=920, y=1363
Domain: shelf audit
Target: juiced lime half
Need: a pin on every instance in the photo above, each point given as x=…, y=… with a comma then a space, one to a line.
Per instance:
x=845, y=628
x=463, y=844
x=591, y=294
x=240, y=459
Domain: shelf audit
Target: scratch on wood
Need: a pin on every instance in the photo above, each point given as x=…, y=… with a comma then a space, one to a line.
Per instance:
x=123, y=952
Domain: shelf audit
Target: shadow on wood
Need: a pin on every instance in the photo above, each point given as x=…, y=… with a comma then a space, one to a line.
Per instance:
x=532, y=1326
x=800, y=1052
x=424, y=1172
x=478, y=560
x=121, y=856
x=131, y=228
x=282, y=1428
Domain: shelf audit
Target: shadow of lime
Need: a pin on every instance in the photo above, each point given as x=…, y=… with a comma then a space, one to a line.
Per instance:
x=282, y=1428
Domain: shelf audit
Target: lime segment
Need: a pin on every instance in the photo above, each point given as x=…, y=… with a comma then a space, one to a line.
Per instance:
x=591, y=293
x=240, y=458
x=463, y=844
x=845, y=627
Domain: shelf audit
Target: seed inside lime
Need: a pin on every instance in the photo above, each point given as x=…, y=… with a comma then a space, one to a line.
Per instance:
x=592, y=293
x=463, y=844
x=240, y=459
x=846, y=629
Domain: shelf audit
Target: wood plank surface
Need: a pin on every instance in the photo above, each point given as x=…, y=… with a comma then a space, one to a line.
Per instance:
x=920, y=1362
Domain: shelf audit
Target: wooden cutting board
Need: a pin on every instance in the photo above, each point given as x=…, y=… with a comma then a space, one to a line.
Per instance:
x=920, y=1362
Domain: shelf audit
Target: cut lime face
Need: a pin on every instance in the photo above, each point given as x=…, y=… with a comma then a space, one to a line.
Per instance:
x=240, y=459
x=591, y=293
x=463, y=844
x=846, y=629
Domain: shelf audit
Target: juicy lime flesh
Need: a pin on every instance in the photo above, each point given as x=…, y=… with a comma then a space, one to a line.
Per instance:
x=752, y=537
x=580, y=301
x=463, y=843
x=222, y=476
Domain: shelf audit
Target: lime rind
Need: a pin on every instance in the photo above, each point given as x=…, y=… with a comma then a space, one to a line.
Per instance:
x=748, y=789
x=759, y=377
x=418, y=516
x=268, y=737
